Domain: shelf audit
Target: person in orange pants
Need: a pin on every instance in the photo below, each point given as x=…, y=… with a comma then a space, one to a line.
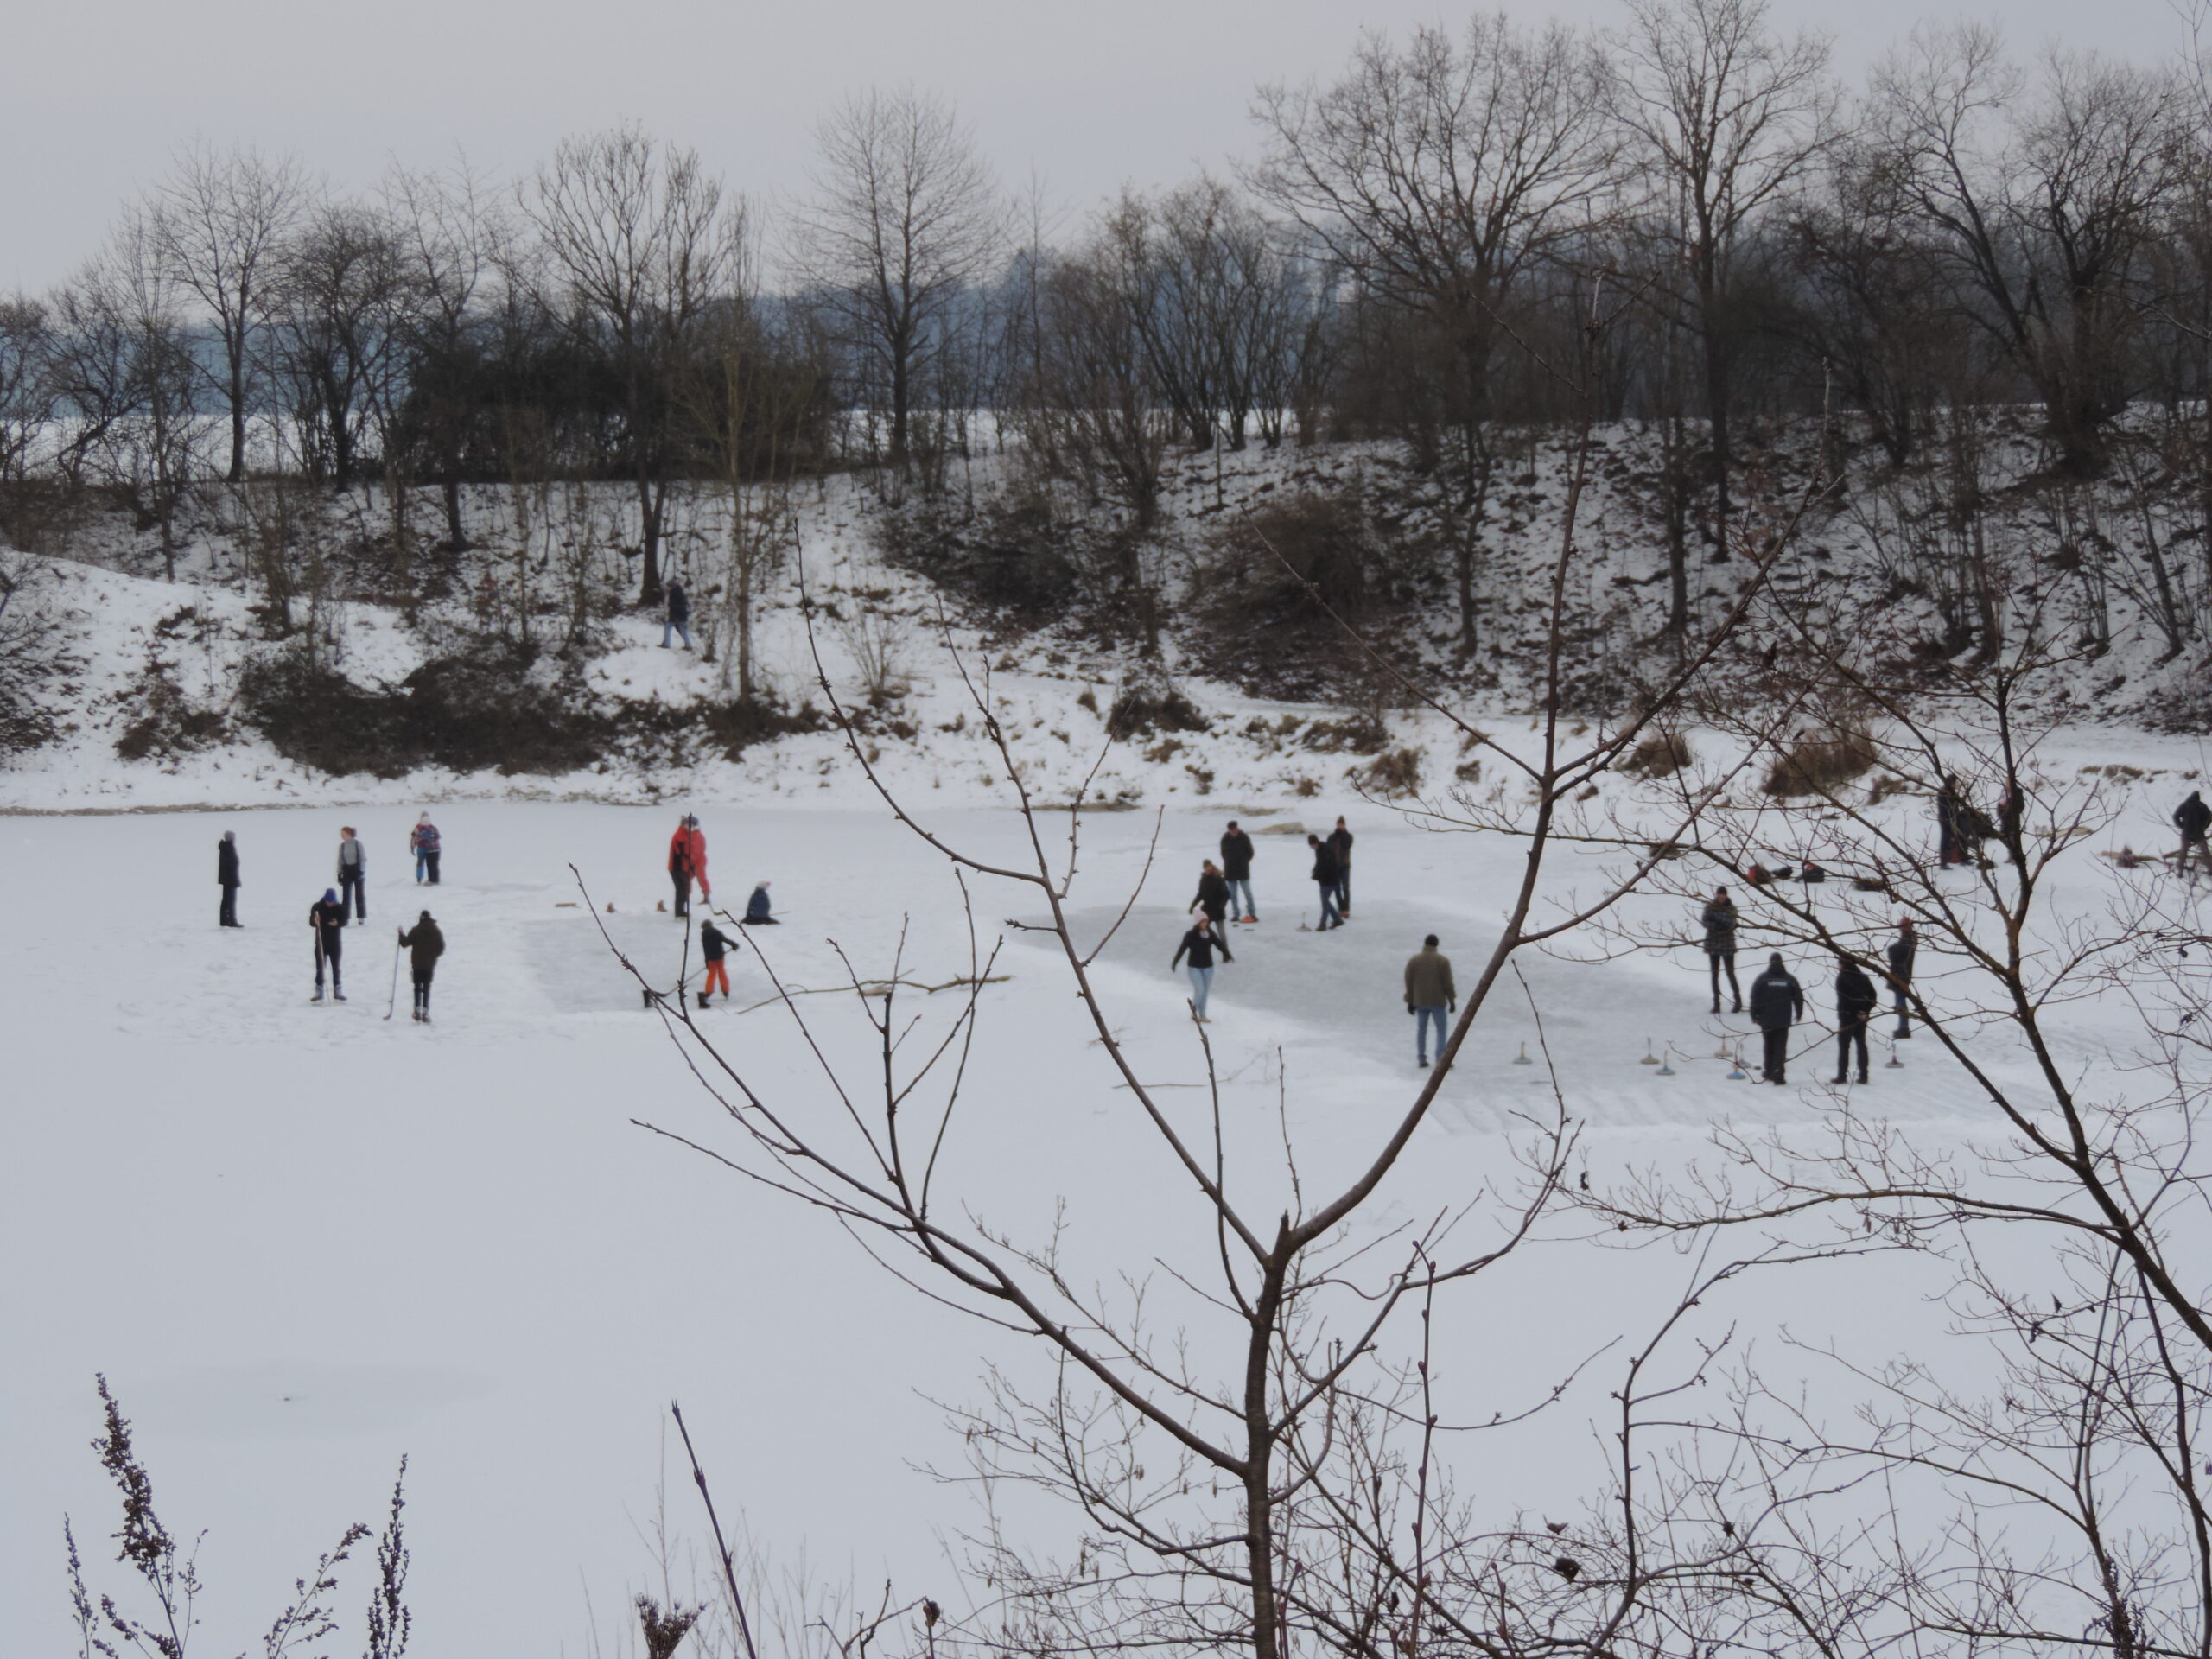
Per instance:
x=716, y=944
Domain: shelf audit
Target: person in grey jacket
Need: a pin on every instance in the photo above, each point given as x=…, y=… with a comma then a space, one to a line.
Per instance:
x=352, y=874
x=1430, y=992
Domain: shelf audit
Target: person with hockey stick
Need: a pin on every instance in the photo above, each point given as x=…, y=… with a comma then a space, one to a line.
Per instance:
x=424, y=944
x=687, y=861
x=714, y=944
x=327, y=921
x=1900, y=954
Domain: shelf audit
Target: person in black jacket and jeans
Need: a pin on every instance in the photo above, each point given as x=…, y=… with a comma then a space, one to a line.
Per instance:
x=2193, y=817
x=1325, y=873
x=1236, y=870
x=327, y=921
x=1777, y=1001
x=1855, y=1002
x=424, y=944
x=1199, y=944
x=227, y=877
x=679, y=616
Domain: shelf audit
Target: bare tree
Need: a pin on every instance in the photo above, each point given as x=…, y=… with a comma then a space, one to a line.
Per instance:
x=903, y=217
x=334, y=309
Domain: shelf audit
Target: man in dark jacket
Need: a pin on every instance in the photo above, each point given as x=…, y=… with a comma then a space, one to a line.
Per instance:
x=1212, y=896
x=1340, y=844
x=1900, y=954
x=1720, y=947
x=425, y=944
x=327, y=921
x=714, y=944
x=1855, y=1002
x=1430, y=992
x=1199, y=944
x=1236, y=870
x=1950, y=822
x=679, y=616
x=227, y=877
x=1777, y=1001
x=1325, y=877
x=2194, y=818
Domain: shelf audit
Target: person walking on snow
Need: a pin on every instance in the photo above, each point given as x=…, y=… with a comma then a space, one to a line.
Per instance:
x=679, y=616
x=1430, y=994
x=1950, y=822
x=353, y=872
x=327, y=921
x=756, y=907
x=424, y=944
x=1325, y=877
x=2194, y=818
x=1855, y=1002
x=1901, y=952
x=1212, y=896
x=1237, y=871
x=423, y=842
x=715, y=945
x=227, y=877
x=1340, y=844
x=1721, y=919
x=1199, y=944
x=1777, y=1001
x=687, y=859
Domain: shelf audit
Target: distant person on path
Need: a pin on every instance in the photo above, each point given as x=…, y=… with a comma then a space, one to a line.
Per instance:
x=353, y=872
x=227, y=877
x=1212, y=896
x=423, y=842
x=1236, y=870
x=1855, y=1002
x=756, y=907
x=687, y=860
x=1340, y=844
x=1199, y=944
x=327, y=921
x=1430, y=992
x=1901, y=952
x=715, y=945
x=1777, y=1001
x=679, y=616
x=2194, y=818
x=425, y=944
x=1950, y=822
x=1720, y=919
x=1325, y=877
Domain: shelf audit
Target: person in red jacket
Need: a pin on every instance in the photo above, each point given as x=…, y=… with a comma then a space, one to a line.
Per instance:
x=687, y=861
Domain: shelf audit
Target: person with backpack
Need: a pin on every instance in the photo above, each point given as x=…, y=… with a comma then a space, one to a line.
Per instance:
x=227, y=877
x=1237, y=871
x=424, y=943
x=1778, y=1001
x=327, y=921
x=2193, y=817
x=1720, y=919
x=756, y=907
x=715, y=944
x=1325, y=877
x=1430, y=994
x=679, y=616
x=687, y=861
x=423, y=842
x=1199, y=944
x=1340, y=844
x=1855, y=1002
x=1900, y=954
x=1212, y=896
x=353, y=872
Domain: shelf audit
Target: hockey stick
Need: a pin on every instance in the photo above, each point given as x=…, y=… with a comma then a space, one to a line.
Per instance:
x=393, y=1004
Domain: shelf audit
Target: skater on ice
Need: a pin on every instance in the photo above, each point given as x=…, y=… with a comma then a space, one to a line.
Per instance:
x=715, y=944
x=1855, y=1002
x=227, y=877
x=1325, y=877
x=423, y=842
x=1720, y=919
x=1340, y=844
x=1212, y=896
x=424, y=943
x=327, y=921
x=1199, y=944
x=1777, y=1002
x=1237, y=871
x=756, y=907
x=1900, y=954
x=1430, y=995
x=353, y=872
x=687, y=861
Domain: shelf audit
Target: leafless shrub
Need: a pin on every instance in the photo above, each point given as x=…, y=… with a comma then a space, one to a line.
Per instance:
x=1661, y=755
x=1822, y=764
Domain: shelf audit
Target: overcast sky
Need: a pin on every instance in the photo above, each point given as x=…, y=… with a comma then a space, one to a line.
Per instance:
x=93, y=93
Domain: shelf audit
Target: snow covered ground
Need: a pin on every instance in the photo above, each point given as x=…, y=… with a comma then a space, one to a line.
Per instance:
x=301, y=1241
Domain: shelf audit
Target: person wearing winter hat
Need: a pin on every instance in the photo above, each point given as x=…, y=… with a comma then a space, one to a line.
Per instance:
x=1777, y=1002
x=424, y=944
x=327, y=921
x=715, y=944
x=423, y=843
x=756, y=908
x=687, y=861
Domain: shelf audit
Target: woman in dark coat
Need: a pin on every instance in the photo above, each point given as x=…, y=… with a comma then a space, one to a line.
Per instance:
x=1720, y=947
x=227, y=877
x=1212, y=895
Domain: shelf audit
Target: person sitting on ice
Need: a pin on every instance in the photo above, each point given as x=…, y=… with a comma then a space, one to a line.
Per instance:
x=756, y=908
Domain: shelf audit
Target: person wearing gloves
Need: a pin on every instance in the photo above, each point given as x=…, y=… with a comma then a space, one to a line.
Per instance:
x=1199, y=944
x=423, y=842
x=1430, y=992
x=424, y=944
x=687, y=861
x=327, y=921
x=715, y=944
x=353, y=872
x=756, y=907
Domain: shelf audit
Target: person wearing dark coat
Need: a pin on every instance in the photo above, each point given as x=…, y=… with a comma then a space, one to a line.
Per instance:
x=1212, y=896
x=1430, y=995
x=424, y=944
x=2193, y=817
x=1199, y=944
x=1720, y=947
x=679, y=616
x=1900, y=955
x=1950, y=822
x=227, y=877
x=715, y=944
x=1340, y=844
x=1325, y=871
x=756, y=907
x=1236, y=870
x=327, y=921
x=1855, y=1002
x=1777, y=1001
